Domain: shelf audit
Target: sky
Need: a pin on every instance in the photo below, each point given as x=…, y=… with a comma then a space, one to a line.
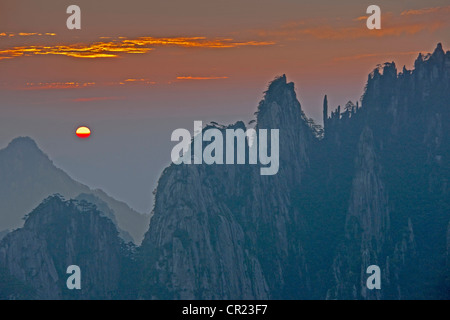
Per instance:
x=139, y=69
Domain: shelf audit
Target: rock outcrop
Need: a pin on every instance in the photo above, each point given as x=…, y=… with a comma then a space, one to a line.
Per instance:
x=223, y=232
x=56, y=235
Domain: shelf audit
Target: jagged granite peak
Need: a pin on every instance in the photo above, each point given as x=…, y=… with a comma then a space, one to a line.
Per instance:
x=28, y=176
x=280, y=109
x=279, y=106
x=400, y=97
x=210, y=222
x=433, y=66
x=438, y=55
x=58, y=234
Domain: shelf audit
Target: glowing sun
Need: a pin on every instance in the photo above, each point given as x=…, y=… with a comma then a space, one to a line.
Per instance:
x=83, y=132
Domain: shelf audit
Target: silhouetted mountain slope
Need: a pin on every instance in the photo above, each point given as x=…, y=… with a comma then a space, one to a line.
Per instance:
x=28, y=176
x=58, y=234
x=372, y=191
x=104, y=211
x=3, y=234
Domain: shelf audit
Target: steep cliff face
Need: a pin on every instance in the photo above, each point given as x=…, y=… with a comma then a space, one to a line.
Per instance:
x=3, y=234
x=196, y=249
x=225, y=231
x=399, y=203
x=56, y=235
x=367, y=228
x=277, y=221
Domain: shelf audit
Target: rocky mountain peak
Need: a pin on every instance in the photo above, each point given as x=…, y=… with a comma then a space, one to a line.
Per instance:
x=439, y=56
x=279, y=106
x=58, y=234
x=278, y=88
x=25, y=148
x=23, y=142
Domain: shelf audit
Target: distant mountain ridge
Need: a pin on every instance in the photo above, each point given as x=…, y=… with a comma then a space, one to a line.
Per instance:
x=28, y=176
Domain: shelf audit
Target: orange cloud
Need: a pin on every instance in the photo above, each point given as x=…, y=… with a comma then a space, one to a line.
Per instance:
x=193, y=42
x=91, y=99
x=137, y=81
x=409, y=22
x=200, y=78
x=113, y=49
x=332, y=33
x=426, y=11
x=361, y=18
x=328, y=32
x=57, y=85
x=80, y=85
x=25, y=34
